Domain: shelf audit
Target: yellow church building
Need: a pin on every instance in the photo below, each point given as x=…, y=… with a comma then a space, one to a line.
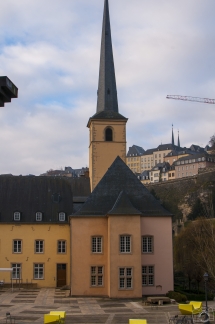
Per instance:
x=117, y=242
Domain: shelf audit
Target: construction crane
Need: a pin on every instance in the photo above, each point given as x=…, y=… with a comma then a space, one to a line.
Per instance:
x=195, y=99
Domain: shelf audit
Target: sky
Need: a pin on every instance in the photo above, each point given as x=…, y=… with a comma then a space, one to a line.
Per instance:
x=50, y=50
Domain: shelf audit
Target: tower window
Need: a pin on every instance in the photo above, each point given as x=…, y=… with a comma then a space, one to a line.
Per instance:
x=108, y=135
x=108, y=91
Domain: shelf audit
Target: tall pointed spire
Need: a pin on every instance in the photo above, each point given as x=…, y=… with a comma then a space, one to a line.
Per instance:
x=173, y=142
x=107, y=93
x=178, y=140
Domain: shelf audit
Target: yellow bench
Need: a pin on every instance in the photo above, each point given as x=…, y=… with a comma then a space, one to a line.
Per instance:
x=51, y=318
x=137, y=321
x=55, y=317
x=192, y=308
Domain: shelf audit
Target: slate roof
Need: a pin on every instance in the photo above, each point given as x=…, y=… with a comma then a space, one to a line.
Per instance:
x=107, y=114
x=107, y=93
x=197, y=148
x=135, y=150
x=150, y=151
x=29, y=195
x=164, y=147
x=119, y=191
x=208, y=157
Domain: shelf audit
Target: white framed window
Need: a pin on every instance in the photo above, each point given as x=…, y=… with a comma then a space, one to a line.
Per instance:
x=97, y=276
x=96, y=244
x=38, y=271
x=39, y=246
x=147, y=244
x=39, y=217
x=16, y=273
x=62, y=217
x=125, y=244
x=148, y=275
x=61, y=246
x=17, y=216
x=17, y=246
x=125, y=278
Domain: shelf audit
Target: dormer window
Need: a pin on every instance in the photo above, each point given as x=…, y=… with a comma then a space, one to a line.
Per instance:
x=62, y=217
x=39, y=217
x=16, y=216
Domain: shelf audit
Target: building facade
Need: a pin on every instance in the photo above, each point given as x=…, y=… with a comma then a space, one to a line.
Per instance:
x=115, y=241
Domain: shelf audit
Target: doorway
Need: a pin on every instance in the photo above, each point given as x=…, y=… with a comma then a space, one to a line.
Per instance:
x=61, y=274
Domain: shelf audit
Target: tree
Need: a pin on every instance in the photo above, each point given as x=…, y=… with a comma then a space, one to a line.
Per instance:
x=185, y=258
x=197, y=210
x=212, y=143
x=195, y=249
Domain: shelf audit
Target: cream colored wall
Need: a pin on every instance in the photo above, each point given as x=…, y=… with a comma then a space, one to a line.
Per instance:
x=28, y=234
x=119, y=225
x=82, y=230
x=162, y=258
x=102, y=153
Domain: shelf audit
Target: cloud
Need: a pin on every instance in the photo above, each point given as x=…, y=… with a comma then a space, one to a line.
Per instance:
x=51, y=49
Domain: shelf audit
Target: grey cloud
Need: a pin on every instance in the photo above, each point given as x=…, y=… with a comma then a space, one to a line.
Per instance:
x=50, y=50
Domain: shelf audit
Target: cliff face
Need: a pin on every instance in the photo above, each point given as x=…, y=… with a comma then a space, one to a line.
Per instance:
x=180, y=196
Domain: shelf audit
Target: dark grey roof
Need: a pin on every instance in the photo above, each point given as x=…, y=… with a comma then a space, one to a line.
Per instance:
x=135, y=150
x=161, y=165
x=29, y=195
x=184, y=151
x=164, y=147
x=107, y=114
x=107, y=93
x=197, y=148
x=120, y=178
x=208, y=157
x=150, y=151
x=145, y=173
x=123, y=206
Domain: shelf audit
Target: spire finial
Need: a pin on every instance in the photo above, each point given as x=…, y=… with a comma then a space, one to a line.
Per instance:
x=178, y=139
x=173, y=142
x=107, y=93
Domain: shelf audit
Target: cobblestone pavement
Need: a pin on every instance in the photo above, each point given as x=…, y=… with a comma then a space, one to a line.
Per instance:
x=29, y=306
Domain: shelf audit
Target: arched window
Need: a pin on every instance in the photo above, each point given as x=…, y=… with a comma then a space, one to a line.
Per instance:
x=108, y=135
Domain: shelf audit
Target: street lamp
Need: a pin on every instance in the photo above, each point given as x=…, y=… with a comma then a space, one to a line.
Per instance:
x=206, y=296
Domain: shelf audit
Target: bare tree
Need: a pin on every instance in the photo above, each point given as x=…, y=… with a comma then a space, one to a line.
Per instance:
x=212, y=143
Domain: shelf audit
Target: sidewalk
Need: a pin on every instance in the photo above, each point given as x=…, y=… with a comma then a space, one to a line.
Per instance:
x=29, y=306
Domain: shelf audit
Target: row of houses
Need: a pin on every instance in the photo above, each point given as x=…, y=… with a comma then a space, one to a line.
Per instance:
x=168, y=162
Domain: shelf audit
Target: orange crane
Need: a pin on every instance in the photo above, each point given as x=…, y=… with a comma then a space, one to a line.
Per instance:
x=195, y=99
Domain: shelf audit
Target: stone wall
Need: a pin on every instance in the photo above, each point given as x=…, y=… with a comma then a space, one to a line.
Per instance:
x=179, y=196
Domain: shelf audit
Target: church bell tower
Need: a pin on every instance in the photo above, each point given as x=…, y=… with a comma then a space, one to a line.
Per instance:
x=107, y=127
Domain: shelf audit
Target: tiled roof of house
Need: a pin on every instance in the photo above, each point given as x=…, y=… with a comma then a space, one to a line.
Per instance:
x=135, y=150
x=106, y=197
x=29, y=195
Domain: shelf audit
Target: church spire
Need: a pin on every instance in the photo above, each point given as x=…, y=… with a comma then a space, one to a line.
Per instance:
x=178, y=140
x=173, y=142
x=107, y=93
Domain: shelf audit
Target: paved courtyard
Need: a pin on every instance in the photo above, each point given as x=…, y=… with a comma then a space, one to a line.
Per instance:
x=29, y=306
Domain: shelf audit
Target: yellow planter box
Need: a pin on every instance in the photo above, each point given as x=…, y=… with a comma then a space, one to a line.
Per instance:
x=51, y=318
x=137, y=321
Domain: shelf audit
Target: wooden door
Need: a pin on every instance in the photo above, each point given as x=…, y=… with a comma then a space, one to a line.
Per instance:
x=61, y=274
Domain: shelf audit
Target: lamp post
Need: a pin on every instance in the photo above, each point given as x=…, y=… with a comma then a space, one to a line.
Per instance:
x=206, y=293
x=206, y=298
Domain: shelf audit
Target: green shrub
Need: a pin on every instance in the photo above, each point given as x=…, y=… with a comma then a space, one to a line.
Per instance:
x=194, y=295
x=180, y=298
